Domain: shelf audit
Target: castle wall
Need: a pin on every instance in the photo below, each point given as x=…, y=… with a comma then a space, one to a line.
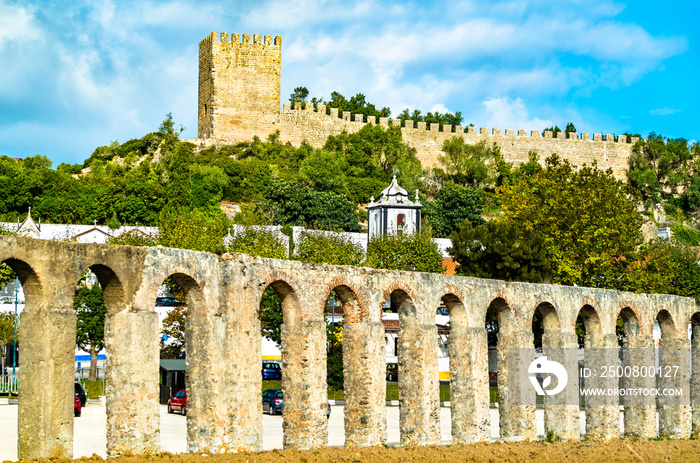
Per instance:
x=239, y=86
x=239, y=98
x=314, y=126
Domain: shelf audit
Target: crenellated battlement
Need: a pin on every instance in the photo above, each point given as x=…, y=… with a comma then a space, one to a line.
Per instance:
x=223, y=37
x=467, y=132
x=239, y=98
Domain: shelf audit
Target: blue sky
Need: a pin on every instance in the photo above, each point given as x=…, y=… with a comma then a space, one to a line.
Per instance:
x=76, y=74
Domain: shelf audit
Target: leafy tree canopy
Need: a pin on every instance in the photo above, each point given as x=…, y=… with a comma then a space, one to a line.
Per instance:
x=195, y=230
x=470, y=165
x=453, y=206
x=431, y=118
x=662, y=168
x=501, y=249
x=91, y=313
x=585, y=215
x=288, y=203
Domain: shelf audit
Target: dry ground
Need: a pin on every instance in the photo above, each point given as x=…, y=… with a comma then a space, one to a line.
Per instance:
x=570, y=452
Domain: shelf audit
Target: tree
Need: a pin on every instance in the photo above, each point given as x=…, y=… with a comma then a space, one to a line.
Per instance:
x=588, y=220
x=134, y=238
x=334, y=363
x=6, y=273
x=664, y=267
x=453, y=206
x=288, y=203
x=271, y=316
x=436, y=118
x=91, y=312
x=501, y=250
x=7, y=335
x=324, y=171
x=469, y=165
x=660, y=168
x=377, y=153
x=416, y=252
x=328, y=248
x=299, y=95
x=174, y=328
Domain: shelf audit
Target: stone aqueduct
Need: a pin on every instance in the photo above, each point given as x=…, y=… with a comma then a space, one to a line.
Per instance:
x=224, y=349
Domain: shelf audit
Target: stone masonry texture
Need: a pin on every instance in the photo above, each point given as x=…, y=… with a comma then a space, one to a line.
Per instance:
x=224, y=345
x=239, y=98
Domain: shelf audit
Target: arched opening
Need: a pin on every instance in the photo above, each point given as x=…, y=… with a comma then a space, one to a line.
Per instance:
x=500, y=331
x=296, y=340
x=20, y=299
x=184, y=356
x=12, y=303
x=98, y=293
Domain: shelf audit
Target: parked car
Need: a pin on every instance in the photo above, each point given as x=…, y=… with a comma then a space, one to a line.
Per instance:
x=392, y=372
x=272, y=401
x=178, y=402
x=77, y=407
x=168, y=302
x=271, y=371
x=80, y=394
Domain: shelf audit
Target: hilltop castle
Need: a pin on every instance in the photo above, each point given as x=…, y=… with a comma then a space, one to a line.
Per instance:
x=239, y=98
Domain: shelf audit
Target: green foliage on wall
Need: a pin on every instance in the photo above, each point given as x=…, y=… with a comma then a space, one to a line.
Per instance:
x=196, y=230
x=258, y=241
x=411, y=252
x=328, y=248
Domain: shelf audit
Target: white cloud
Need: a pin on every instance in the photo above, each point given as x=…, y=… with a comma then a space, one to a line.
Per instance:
x=16, y=23
x=664, y=111
x=506, y=113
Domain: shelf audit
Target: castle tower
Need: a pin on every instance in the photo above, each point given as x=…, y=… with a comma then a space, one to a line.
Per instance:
x=239, y=86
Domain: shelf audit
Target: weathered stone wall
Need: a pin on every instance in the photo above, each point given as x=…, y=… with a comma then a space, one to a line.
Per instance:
x=239, y=98
x=224, y=412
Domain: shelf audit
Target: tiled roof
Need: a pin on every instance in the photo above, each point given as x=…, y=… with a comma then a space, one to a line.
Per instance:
x=449, y=265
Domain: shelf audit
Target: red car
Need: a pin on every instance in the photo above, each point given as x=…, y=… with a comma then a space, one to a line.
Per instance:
x=77, y=406
x=178, y=402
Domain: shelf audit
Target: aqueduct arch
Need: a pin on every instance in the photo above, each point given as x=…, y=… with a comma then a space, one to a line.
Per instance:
x=225, y=293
